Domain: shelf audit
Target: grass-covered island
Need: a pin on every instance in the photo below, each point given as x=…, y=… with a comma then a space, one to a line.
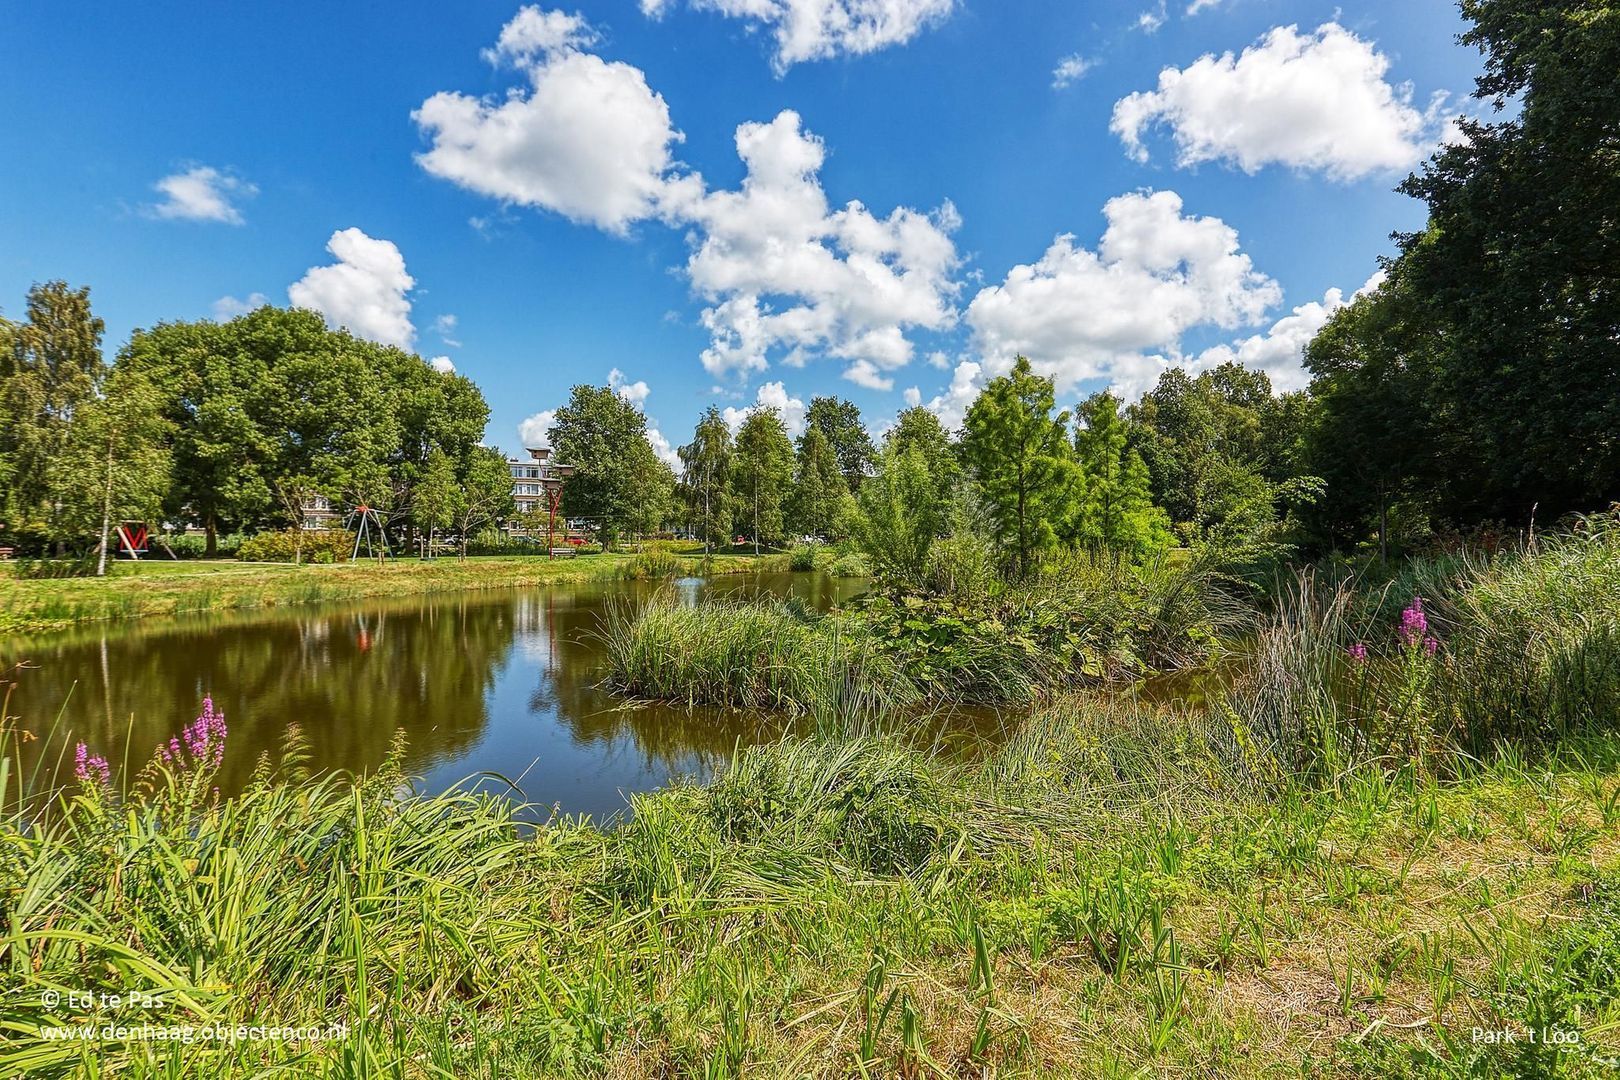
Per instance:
x=1387, y=846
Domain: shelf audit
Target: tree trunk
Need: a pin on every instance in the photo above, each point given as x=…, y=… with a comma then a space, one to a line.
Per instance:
x=106, y=513
x=211, y=529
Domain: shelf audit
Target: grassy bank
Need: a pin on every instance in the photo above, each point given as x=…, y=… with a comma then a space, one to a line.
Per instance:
x=1109, y=895
x=1391, y=848
x=158, y=588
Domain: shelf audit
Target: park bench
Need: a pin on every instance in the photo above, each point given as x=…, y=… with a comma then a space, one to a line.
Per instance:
x=6, y=553
x=564, y=552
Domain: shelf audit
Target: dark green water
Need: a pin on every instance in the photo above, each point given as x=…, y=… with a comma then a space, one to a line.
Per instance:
x=500, y=682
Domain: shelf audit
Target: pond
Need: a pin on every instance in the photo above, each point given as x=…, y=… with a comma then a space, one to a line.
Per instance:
x=501, y=682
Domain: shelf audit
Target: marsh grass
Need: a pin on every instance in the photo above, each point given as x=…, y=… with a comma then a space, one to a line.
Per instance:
x=776, y=655
x=1102, y=896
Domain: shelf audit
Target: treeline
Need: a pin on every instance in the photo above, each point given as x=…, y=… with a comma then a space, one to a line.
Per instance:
x=232, y=426
x=1211, y=459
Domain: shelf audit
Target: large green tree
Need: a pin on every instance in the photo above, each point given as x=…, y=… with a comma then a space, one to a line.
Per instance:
x=706, y=465
x=483, y=494
x=433, y=503
x=52, y=367
x=114, y=464
x=902, y=513
x=615, y=484
x=272, y=408
x=1023, y=464
x=1501, y=319
x=1213, y=442
x=839, y=420
x=819, y=492
x=762, y=471
x=1116, y=511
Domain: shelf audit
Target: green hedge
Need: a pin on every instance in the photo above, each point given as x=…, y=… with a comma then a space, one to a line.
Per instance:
x=319, y=546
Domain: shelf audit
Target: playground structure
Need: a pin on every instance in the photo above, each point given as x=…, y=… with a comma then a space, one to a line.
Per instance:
x=370, y=531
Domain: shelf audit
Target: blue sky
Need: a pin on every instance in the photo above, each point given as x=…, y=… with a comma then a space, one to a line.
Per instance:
x=546, y=196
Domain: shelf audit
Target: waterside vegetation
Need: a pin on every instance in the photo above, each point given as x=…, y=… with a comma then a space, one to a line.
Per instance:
x=1348, y=884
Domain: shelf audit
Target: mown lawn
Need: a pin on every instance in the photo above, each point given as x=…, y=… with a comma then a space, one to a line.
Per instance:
x=170, y=588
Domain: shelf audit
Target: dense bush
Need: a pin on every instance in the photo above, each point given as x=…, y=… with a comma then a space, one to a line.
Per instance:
x=852, y=564
x=316, y=546
x=195, y=545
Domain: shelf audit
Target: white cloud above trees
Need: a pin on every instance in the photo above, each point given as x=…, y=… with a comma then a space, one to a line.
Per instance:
x=784, y=272
x=1318, y=102
x=201, y=193
x=587, y=138
x=535, y=431
x=366, y=291
x=771, y=395
x=1119, y=312
x=804, y=30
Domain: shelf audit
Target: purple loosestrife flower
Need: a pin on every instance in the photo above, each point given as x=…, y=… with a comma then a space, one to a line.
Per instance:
x=204, y=740
x=1431, y=644
x=1414, y=623
x=90, y=769
x=1358, y=653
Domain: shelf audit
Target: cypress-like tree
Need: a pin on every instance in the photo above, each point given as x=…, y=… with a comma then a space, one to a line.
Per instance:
x=1022, y=461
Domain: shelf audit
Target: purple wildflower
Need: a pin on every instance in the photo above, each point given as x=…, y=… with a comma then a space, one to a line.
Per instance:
x=1358, y=653
x=1431, y=644
x=1414, y=623
x=89, y=768
x=204, y=740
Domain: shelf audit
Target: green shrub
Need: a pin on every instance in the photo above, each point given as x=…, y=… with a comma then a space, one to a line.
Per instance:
x=323, y=545
x=877, y=804
x=195, y=546
x=802, y=558
x=852, y=564
x=1533, y=638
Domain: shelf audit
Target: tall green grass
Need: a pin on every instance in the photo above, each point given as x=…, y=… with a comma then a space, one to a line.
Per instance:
x=767, y=655
x=1102, y=895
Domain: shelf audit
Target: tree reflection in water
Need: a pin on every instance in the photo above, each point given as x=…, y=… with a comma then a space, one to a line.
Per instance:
x=498, y=682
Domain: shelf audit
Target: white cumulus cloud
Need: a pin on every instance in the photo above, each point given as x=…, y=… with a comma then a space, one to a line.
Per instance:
x=1280, y=351
x=786, y=273
x=535, y=431
x=365, y=291
x=445, y=327
x=1120, y=311
x=912, y=396
x=587, y=138
x=633, y=392
x=772, y=395
x=967, y=380
x=533, y=34
x=1315, y=101
x=661, y=446
x=817, y=29
x=443, y=365
x=201, y=193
